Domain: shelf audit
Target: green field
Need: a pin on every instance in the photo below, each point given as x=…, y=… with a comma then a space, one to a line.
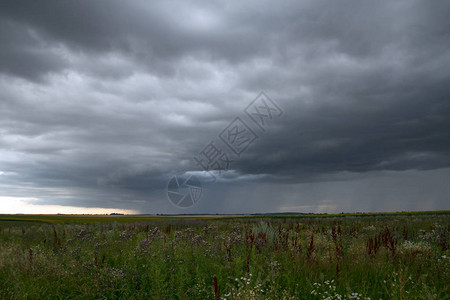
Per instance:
x=345, y=256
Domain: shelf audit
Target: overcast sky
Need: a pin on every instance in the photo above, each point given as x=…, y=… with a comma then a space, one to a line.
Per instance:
x=102, y=102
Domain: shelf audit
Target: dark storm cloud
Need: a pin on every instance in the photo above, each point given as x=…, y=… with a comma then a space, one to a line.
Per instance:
x=22, y=52
x=153, y=35
x=100, y=102
x=408, y=132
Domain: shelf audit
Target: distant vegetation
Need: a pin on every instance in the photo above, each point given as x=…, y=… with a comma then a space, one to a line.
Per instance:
x=344, y=256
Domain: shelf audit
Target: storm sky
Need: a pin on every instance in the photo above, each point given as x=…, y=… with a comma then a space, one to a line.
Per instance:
x=102, y=102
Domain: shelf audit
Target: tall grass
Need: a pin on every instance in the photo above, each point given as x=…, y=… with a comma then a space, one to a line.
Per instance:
x=387, y=257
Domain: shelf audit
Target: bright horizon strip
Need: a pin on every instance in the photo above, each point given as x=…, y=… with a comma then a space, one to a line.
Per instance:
x=22, y=205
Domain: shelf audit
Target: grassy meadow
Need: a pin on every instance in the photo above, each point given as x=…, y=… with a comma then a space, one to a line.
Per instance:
x=346, y=256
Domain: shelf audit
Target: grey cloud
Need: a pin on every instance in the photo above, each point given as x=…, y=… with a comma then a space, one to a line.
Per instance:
x=100, y=102
x=23, y=52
